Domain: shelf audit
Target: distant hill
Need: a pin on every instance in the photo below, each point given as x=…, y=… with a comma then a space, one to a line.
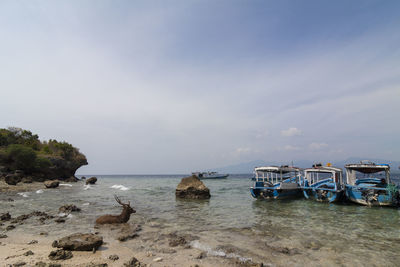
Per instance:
x=248, y=167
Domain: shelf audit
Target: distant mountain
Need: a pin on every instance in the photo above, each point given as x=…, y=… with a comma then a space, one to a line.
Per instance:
x=248, y=167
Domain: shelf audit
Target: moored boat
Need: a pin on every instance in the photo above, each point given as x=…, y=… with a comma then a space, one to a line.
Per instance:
x=369, y=184
x=273, y=182
x=323, y=183
x=210, y=175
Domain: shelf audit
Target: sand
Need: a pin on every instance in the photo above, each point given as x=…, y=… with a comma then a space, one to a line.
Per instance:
x=150, y=247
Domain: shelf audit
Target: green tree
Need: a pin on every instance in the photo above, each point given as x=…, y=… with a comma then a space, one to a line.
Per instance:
x=21, y=157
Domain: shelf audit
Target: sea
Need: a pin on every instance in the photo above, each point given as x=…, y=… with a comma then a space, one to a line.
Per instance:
x=231, y=223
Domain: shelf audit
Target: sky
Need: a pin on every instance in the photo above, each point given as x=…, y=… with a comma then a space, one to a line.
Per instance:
x=159, y=87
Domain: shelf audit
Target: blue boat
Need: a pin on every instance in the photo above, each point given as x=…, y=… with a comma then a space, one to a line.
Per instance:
x=210, y=175
x=272, y=182
x=369, y=184
x=323, y=183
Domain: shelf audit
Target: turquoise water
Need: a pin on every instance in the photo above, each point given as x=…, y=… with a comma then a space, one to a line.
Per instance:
x=317, y=233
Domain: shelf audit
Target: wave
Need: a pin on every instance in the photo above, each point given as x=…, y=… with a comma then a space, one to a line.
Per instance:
x=218, y=253
x=65, y=185
x=39, y=191
x=86, y=187
x=23, y=194
x=120, y=187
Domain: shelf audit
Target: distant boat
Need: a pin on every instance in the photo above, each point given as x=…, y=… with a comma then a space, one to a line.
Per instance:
x=369, y=184
x=210, y=175
x=272, y=182
x=323, y=183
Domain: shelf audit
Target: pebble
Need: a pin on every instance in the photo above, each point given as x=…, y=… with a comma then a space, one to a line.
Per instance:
x=28, y=253
x=158, y=259
x=32, y=242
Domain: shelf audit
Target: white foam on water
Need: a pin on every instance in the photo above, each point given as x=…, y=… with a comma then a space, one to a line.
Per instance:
x=218, y=253
x=86, y=204
x=86, y=187
x=23, y=194
x=120, y=187
x=62, y=214
x=70, y=216
x=66, y=185
x=39, y=191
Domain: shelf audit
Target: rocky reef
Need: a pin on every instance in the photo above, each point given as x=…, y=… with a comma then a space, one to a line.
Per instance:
x=24, y=158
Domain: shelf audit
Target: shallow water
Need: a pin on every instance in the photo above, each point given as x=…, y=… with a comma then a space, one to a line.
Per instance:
x=319, y=233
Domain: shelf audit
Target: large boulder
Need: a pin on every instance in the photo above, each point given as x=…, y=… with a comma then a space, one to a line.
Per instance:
x=79, y=242
x=91, y=180
x=191, y=187
x=51, y=184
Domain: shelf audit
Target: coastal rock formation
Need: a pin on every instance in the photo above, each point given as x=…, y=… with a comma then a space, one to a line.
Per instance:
x=51, y=184
x=22, y=154
x=79, y=242
x=192, y=188
x=91, y=180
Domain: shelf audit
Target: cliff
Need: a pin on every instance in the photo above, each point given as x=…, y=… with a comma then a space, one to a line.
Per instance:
x=24, y=156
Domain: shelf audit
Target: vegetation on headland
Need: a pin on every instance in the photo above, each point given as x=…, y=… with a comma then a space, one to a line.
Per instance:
x=22, y=150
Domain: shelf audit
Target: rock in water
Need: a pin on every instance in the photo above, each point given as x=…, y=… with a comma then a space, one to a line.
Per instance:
x=79, y=242
x=51, y=184
x=191, y=187
x=68, y=208
x=91, y=180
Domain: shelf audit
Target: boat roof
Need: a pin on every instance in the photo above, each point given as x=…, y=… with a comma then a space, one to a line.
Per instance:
x=368, y=167
x=276, y=169
x=323, y=169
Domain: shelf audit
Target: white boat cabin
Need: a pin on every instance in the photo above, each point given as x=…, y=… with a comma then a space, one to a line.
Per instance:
x=320, y=173
x=275, y=174
x=367, y=170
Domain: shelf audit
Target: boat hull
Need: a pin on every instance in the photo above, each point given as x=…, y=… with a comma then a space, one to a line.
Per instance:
x=370, y=196
x=323, y=195
x=274, y=193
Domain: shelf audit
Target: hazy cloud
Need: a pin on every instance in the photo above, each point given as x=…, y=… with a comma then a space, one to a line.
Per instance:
x=291, y=132
x=317, y=146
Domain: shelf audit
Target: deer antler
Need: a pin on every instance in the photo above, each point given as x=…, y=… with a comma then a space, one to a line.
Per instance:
x=118, y=200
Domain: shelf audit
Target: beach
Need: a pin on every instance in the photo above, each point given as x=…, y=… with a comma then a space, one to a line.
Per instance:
x=229, y=229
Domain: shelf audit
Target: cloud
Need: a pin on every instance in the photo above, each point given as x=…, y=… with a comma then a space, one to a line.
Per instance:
x=291, y=132
x=317, y=146
x=290, y=148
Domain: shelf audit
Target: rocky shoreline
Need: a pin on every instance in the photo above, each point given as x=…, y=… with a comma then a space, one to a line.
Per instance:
x=127, y=244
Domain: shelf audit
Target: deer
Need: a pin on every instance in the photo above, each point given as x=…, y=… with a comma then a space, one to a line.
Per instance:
x=127, y=210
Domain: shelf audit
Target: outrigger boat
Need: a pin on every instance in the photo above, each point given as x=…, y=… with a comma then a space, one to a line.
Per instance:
x=210, y=175
x=323, y=183
x=369, y=184
x=272, y=182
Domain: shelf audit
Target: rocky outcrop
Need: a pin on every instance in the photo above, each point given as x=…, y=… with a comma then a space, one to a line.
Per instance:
x=91, y=180
x=192, y=188
x=79, y=242
x=51, y=184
